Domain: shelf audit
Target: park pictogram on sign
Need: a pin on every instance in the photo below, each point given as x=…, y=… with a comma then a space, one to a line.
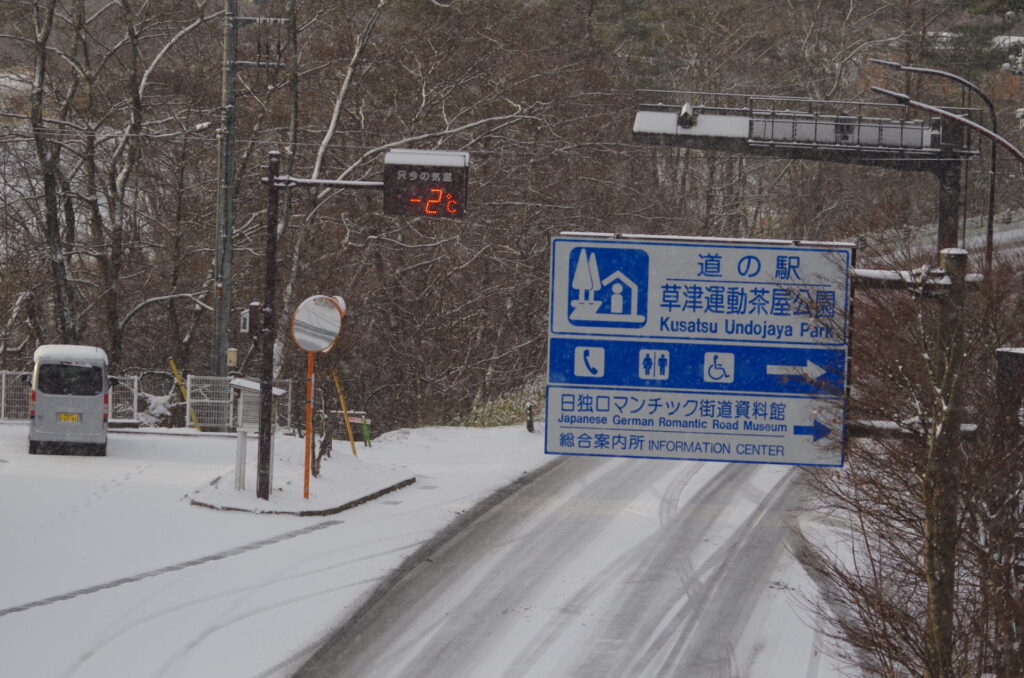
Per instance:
x=608, y=287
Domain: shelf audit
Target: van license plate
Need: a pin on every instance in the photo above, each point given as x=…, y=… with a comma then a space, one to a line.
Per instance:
x=69, y=417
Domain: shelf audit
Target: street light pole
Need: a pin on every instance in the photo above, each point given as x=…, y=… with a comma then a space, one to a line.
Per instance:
x=959, y=119
x=995, y=129
x=943, y=113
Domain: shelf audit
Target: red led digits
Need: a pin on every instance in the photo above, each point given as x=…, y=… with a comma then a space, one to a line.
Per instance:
x=431, y=205
x=437, y=200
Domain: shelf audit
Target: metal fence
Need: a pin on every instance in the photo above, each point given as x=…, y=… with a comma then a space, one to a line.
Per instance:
x=212, y=405
x=16, y=397
x=209, y=402
x=124, y=401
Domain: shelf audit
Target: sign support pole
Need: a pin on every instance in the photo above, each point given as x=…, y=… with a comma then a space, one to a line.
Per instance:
x=437, y=197
x=267, y=330
x=941, y=485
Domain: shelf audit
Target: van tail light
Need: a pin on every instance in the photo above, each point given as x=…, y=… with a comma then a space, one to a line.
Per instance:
x=32, y=410
x=106, y=406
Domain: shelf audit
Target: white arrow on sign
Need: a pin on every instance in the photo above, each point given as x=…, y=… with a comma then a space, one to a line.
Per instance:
x=810, y=371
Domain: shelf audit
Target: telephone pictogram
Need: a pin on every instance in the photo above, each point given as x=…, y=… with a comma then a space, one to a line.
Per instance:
x=589, y=361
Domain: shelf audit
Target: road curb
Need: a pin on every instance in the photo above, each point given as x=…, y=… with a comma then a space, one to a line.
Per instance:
x=181, y=433
x=312, y=512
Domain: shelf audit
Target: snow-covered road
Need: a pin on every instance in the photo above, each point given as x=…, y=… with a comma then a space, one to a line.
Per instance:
x=600, y=568
x=608, y=567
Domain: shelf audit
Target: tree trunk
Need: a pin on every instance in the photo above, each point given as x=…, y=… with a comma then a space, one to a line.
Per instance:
x=48, y=157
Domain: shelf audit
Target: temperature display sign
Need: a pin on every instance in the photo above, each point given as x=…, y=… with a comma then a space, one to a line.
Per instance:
x=434, y=186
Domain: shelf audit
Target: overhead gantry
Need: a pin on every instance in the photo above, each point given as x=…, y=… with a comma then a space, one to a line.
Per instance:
x=806, y=129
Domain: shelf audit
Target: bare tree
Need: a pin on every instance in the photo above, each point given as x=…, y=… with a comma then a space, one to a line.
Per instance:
x=91, y=112
x=922, y=582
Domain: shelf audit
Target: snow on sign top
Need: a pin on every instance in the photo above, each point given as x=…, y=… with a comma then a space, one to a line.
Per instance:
x=255, y=387
x=70, y=353
x=410, y=156
x=316, y=323
x=667, y=122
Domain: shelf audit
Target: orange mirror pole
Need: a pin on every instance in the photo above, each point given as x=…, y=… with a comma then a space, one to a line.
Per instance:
x=309, y=421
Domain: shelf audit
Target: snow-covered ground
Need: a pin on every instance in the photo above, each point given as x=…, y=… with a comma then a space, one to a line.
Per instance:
x=108, y=569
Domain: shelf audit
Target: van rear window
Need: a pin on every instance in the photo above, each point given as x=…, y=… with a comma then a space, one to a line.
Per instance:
x=79, y=380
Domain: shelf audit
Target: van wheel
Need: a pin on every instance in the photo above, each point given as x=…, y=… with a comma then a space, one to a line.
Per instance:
x=33, y=447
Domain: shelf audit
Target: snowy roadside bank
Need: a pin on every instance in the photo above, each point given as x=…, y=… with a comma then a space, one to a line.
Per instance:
x=109, y=570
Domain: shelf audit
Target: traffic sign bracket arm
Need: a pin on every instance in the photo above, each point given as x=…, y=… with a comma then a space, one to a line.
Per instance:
x=881, y=429
x=285, y=181
x=929, y=279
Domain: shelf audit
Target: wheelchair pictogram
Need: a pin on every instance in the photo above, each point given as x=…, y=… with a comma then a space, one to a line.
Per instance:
x=719, y=368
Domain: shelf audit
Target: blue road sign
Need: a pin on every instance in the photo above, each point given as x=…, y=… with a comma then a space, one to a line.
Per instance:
x=696, y=366
x=698, y=349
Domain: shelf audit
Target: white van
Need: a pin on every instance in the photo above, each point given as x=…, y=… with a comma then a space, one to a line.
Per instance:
x=70, y=400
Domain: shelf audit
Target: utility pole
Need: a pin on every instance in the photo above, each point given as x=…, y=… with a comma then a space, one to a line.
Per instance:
x=226, y=173
x=948, y=204
x=225, y=194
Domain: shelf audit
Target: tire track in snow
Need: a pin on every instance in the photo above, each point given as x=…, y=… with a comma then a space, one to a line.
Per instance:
x=647, y=614
x=549, y=637
x=453, y=646
x=713, y=621
x=467, y=576
x=208, y=632
x=169, y=568
x=682, y=637
x=586, y=599
x=466, y=605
